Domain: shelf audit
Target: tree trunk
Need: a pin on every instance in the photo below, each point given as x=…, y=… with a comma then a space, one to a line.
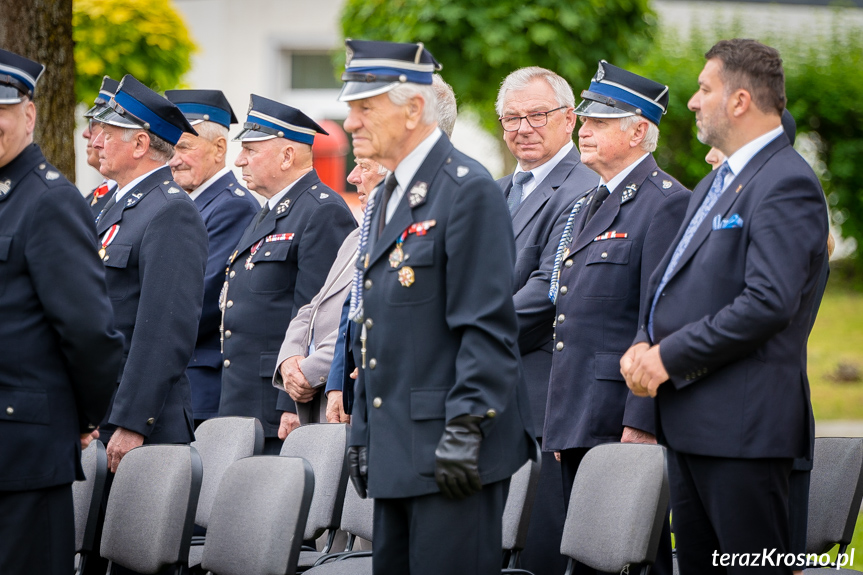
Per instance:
x=42, y=31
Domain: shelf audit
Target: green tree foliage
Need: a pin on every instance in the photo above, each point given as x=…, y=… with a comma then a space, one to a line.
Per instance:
x=117, y=37
x=479, y=42
x=824, y=89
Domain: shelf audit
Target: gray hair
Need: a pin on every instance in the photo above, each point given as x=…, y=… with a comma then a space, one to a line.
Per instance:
x=651, y=138
x=447, y=110
x=160, y=150
x=404, y=92
x=211, y=131
x=521, y=78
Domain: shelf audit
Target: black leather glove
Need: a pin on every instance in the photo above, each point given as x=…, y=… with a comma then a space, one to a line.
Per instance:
x=457, y=457
x=358, y=462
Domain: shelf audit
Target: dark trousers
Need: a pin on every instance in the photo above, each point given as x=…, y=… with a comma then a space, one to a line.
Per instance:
x=570, y=459
x=272, y=446
x=431, y=535
x=37, y=531
x=798, y=509
x=724, y=505
x=541, y=554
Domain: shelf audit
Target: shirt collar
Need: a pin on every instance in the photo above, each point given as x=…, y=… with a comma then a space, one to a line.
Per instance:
x=203, y=187
x=131, y=185
x=618, y=179
x=407, y=168
x=540, y=172
x=738, y=160
x=274, y=201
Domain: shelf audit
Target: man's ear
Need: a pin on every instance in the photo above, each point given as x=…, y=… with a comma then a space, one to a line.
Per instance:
x=142, y=144
x=287, y=156
x=221, y=145
x=414, y=111
x=30, y=116
x=739, y=102
x=638, y=135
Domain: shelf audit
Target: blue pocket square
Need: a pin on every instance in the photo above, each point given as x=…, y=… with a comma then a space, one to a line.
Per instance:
x=732, y=221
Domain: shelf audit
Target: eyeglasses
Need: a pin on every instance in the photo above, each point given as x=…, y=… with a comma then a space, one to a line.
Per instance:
x=534, y=119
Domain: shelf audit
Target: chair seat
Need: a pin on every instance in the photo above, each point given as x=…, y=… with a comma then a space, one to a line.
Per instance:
x=308, y=558
x=195, y=554
x=352, y=566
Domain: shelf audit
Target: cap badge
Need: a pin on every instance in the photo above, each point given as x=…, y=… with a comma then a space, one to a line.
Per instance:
x=417, y=194
x=349, y=55
x=600, y=73
x=51, y=175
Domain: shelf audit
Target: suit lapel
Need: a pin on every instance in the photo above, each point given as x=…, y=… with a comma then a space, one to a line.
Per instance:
x=214, y=190
x=131, y=198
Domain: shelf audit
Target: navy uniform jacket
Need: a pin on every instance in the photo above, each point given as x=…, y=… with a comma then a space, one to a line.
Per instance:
x=446, y=345
x=597, y=313
x=227, y=208
x=733, y=320
x=155, y=271
x=538, y=224
x=299, y=242
x=61, y=352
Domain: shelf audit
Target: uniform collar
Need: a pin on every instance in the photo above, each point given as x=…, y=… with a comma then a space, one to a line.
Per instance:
x=131, y=185
x=203, y=187
x=618, y=179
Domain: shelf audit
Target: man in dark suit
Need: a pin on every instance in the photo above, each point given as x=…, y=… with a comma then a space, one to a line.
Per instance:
x=440, y=418
x=198, y=166
x=722, y=338
x=61, y=352
x=535, y=107
x=613, y=241
x=279, y=264
x=103, y=192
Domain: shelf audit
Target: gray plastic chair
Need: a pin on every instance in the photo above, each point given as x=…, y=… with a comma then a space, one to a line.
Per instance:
x=151, y=509
x=516, y=513
x=220, y=442
x=324, y=446
x=835, y=493
x=86, y=498
x=357, y=522
x=618, y=503
x=258, y=517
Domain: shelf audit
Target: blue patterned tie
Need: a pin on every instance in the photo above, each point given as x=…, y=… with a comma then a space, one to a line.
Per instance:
x=709, y=201
x=356, y=310
x=519, y=179
x=565, y=240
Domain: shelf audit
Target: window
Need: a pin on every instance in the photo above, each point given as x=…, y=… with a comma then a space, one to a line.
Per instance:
x=305, y=70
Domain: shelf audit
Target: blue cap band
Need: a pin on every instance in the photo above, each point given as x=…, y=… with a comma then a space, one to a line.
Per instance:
x=289, y=134
x=410, y=75
x=650, y=110
x=158, y=126
x=216, y=115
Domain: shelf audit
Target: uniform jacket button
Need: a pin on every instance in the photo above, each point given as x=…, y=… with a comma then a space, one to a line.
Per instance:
x=230, y=303
x=561, y=318
x=368, y=284
x=227, y=333
x=603, y=255
x=490, y=413
x=559, y=346
x=233, y=273
x=151, y=421
x=568, y=263
x=267, y=254
x=10, y=410
x=373, y=363
x=377, y=402
x=563, y=289
x=369, y=323
x=227, y=363
x=323, y=379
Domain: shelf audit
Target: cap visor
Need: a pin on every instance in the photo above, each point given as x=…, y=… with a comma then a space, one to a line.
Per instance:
x=252, y=136
x=93, y=111
x=591, y=109
x=9, y=95
x=359, y=90
x=112, y=118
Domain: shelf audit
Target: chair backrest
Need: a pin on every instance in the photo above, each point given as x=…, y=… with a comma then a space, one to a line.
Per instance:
x=324, y=446
x=618, y=503
x=87, y=495
x=519, y=504
x=835, y=492
x=151, y=508
x=357, y=514
x=258, y=517
x=220, y=442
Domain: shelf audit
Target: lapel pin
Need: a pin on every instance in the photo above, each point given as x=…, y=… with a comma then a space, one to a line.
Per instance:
x=462, y=171
x=417, y=194
x=51, y=175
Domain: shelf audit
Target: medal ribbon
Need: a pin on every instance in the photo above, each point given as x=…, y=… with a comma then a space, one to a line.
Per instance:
x=277, y=238
x=419, y=228
x=110, y=235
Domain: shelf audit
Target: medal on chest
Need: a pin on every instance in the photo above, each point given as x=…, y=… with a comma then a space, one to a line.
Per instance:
x=107, y=239
x=249, y=265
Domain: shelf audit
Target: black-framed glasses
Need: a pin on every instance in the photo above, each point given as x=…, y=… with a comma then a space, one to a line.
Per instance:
x=535, y=119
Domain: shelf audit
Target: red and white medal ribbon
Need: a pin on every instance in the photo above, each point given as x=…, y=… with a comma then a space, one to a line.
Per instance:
x=108, y=238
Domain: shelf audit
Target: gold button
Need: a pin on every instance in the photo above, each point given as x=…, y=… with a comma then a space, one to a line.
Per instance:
x=368, y=284
x=227, y=333
x=377, y=402
x=233, y=273
x=151, y=421
x=604, y=255
x=373, y=363
x=227, y=363
x=568, y=263
x=561, y=318
x=563, y=289
x=267, y=254
x=369, y=323
x=490, y=413
x=10, y=410
x=559, y=346
x=230, y=303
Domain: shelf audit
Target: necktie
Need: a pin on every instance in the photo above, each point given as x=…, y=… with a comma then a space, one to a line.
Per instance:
x=599, y=196
x=107, y=207
x=262, y=214
x=389, y=186
x=706, y=205
x=519, y=179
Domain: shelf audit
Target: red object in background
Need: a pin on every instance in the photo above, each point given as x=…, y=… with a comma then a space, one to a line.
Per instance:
x=330, y=153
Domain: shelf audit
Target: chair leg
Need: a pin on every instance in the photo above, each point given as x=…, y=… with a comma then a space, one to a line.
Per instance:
x=513, y=559
x=645, y=570
x=331, y=536
x=570, y=565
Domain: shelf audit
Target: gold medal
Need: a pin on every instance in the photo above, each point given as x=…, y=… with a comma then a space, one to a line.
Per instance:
x=102, y=253
x=406, y=276
x=397, y=256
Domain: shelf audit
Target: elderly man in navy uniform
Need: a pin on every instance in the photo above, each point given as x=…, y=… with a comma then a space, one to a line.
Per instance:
x=613, y=240
x=535, y=108
x=103, y=192
x=440, y=420
x=61, y=352
x=280, y=263
x=227, y=208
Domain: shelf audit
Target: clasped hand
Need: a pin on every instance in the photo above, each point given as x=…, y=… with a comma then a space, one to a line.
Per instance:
x=643, y=370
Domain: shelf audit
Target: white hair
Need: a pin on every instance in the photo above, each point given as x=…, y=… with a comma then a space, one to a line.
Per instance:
x=651, y=138
x=160, y=149
x=211, y=131
x=404, y=92
x=447, y=109
x=521, y=78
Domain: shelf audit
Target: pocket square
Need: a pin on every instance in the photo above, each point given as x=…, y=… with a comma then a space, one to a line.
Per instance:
x=732, y=221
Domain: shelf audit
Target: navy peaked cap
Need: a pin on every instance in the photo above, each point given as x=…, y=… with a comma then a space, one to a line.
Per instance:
x=373, y=68
x=203, y=106
x=269, y=119
x=18, y=77
x=106, y=92
x=137, y=106
x=617, y=93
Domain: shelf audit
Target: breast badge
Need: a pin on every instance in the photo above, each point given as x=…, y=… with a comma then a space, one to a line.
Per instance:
x=406, y=276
